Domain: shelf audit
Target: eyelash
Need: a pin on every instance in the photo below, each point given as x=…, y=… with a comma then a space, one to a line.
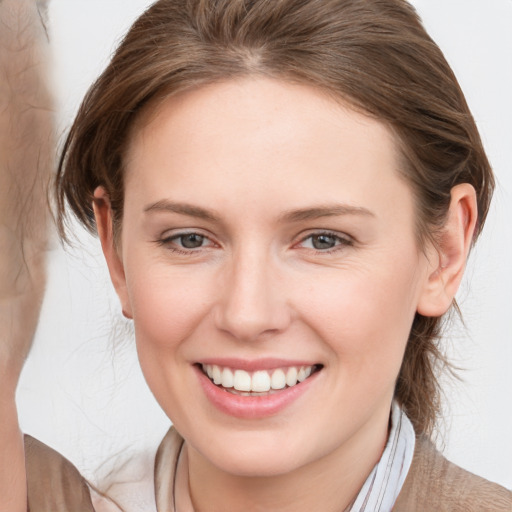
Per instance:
x=341, y=242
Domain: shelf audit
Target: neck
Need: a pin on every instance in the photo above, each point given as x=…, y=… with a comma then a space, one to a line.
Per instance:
x=330, y=483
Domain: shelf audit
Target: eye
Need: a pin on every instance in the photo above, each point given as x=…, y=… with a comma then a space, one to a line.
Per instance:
x=190, y=240
x=185, y=242
x=325, y=242
x=322, y=242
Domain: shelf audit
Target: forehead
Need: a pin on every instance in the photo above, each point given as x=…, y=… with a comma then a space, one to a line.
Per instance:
x=264, y=140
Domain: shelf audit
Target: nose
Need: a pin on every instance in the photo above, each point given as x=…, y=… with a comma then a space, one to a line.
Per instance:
x=252, y=303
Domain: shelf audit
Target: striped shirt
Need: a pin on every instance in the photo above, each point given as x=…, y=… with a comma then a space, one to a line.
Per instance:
x=381, y=488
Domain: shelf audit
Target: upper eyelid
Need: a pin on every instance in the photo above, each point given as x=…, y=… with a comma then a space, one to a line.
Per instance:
x=177, y=233
x=328, y=232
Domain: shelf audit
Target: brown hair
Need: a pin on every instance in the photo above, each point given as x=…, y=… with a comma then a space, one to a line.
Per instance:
x=373, y=54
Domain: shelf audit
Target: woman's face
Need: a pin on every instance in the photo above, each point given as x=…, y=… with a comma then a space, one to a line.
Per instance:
x=268, y=236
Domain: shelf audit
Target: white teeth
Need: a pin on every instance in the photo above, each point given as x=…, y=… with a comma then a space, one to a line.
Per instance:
x=242, y=381
x=278, y=379
x=261, y=381
x=227, y=378
x=291, y=376
x=216, y=374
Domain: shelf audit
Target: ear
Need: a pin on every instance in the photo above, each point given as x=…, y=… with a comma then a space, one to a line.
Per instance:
x=450, y=255
x=103, y=216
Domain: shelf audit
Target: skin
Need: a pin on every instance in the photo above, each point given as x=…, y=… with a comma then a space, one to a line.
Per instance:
x=26, y=152
x=273, y=165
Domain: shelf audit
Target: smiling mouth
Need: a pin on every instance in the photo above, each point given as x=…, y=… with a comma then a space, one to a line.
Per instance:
x=261, y=382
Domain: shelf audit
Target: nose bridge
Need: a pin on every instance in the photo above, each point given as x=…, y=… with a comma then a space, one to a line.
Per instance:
x=253, y=302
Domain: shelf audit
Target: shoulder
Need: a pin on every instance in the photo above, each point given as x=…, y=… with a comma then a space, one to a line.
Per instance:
x=53, y=483
x=435, y=484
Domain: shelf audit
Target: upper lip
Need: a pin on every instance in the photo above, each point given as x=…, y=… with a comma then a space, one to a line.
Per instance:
x=252, y=365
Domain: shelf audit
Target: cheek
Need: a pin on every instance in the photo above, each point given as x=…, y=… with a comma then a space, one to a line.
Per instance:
x=167, y=307
x=365, y=316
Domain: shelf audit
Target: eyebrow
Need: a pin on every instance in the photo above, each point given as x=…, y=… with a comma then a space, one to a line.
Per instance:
x=183, y=209
x=316, y=212
x=331, y=210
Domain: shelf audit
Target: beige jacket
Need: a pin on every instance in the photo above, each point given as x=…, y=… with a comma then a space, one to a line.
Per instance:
x=432, y=485
x=435, y=484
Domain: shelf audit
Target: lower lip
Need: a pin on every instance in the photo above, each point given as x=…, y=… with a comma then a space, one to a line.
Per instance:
x=252, y=407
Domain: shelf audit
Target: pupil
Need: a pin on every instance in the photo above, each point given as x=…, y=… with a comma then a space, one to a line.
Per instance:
x=192, y=241
x=323, y=242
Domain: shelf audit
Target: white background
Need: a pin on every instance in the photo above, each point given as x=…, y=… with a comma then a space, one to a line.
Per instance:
x=82, y=391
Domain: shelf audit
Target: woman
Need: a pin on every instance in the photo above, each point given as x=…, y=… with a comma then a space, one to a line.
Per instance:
x=286, y=195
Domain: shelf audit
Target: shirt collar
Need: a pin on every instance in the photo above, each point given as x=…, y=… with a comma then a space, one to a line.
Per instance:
x=381, y=488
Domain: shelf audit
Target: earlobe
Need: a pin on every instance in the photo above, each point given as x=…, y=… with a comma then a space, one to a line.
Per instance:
x=452, y=252
x=103, y=216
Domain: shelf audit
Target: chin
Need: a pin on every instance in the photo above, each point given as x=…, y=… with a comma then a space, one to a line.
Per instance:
x=259, y=463
x=257, y=454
